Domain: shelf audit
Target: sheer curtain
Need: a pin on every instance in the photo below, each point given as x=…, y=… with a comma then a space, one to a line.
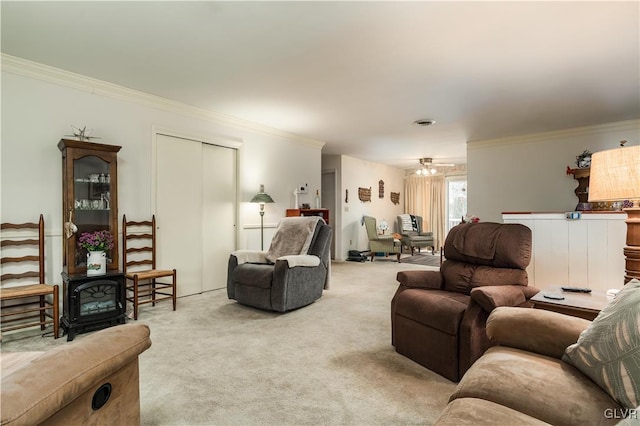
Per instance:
x=425, y=196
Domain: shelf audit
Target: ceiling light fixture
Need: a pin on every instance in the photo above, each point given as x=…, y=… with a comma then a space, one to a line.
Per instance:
x=424, y=122
x=427, y=167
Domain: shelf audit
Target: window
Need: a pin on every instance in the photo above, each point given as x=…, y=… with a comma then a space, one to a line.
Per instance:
x=456, y=200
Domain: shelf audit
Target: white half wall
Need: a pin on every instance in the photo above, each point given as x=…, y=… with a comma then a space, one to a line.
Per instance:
x=40, y=103
x=528, y=173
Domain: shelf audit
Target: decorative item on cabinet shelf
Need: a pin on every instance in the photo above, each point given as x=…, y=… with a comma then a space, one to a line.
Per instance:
x=584, y=160
x=83, y=134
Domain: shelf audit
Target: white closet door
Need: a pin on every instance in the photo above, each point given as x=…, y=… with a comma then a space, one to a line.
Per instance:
x=218, y=213
x=179, y=210
x=196, y=211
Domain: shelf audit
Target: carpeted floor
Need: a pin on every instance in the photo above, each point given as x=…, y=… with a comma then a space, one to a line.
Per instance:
x=215, y=362
x=422, y=259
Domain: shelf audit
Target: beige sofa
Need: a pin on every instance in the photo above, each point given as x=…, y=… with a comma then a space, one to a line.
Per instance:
x=524, y=381
x=91, y=381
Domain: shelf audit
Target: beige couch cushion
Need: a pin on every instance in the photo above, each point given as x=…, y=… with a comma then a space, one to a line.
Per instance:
x=479, y=412
x=10, y=361
x=539, y=386
x=608, y=351
x=47, y=386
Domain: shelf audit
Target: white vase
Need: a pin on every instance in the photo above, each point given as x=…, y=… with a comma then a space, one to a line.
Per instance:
x=96, y=263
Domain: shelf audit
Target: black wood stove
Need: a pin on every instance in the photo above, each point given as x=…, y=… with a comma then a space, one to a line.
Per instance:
x=92, y=302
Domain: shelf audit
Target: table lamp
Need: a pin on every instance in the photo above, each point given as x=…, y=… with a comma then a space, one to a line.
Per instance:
x=261, y=198
x=615, y=176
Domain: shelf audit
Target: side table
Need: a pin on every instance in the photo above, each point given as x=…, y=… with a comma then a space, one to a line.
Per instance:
x=581, y=305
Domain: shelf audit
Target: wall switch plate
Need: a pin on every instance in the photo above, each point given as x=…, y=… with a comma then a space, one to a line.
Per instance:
x=303, y=189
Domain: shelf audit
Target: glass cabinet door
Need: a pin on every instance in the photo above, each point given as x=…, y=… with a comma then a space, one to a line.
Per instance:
x=89, y=199
x=91, y=203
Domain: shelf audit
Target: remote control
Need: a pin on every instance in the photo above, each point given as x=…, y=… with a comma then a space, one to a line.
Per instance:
x=553, y=296
x=576, y=289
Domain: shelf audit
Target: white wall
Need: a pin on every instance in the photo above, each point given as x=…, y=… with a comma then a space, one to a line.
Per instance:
x=40, y=103
x=352, y=173
x=528, y=173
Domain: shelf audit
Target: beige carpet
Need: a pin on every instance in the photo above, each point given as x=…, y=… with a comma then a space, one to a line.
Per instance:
x=215, y=362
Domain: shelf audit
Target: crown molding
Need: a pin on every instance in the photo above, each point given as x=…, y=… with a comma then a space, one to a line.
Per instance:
x=546, y=136
x=30, y=69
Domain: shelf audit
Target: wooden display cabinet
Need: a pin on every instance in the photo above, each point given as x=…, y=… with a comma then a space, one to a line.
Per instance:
x=89, y=198
x=323, y=213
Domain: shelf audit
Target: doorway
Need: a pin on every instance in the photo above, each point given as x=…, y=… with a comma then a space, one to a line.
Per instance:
x=328, y=196
x=196, y=208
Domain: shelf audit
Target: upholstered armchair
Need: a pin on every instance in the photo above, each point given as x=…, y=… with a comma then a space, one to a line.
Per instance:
x=291, y=274
x=438, y=317
x=386, y=244
x=410, y=227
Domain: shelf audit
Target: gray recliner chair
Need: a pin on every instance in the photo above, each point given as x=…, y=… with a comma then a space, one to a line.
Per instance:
x=410, y=227
x=291, y=274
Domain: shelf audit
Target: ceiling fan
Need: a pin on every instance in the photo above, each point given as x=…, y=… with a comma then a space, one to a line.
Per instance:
x=428, y=167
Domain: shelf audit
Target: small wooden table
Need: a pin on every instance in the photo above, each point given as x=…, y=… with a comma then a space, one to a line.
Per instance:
x=582, y=305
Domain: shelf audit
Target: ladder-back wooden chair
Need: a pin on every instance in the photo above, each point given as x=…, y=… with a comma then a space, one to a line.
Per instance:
x=139, y=266
x=26, y=305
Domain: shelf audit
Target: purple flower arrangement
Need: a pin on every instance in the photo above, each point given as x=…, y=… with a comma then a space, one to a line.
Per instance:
x=96, y=241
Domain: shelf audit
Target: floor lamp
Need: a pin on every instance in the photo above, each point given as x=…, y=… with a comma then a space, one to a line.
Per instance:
x=615, y=176
x=261, y=198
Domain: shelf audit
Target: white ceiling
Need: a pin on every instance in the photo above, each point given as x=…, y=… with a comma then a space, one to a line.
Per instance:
x=356, y=74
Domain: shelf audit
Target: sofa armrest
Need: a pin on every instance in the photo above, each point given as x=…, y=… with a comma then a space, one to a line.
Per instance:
x=250, y=256
x=493, y=296
x=304, y=260
x=37, y=390
x=420, y=279
x=534, y=330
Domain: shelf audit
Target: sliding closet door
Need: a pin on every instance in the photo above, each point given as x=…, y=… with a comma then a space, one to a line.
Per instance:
x=218, y=213
x=195, y=209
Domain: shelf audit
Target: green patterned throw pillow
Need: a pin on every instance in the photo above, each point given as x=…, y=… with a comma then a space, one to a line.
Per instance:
x=608, y=351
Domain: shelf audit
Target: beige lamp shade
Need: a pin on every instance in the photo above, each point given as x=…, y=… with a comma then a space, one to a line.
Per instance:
x=615, y=174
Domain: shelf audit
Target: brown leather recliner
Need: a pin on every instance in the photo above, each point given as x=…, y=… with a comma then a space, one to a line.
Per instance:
x=438, y=317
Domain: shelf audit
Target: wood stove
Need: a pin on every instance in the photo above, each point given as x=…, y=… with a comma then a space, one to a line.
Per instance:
x=92, y=302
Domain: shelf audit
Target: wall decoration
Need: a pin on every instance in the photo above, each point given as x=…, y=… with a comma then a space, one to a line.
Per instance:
x=346, y=195
x=395, y=197
x=364, y=194
x=381, y=189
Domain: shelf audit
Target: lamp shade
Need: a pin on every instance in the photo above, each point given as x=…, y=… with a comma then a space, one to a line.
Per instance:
x=615, y=174
x=261, y=197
